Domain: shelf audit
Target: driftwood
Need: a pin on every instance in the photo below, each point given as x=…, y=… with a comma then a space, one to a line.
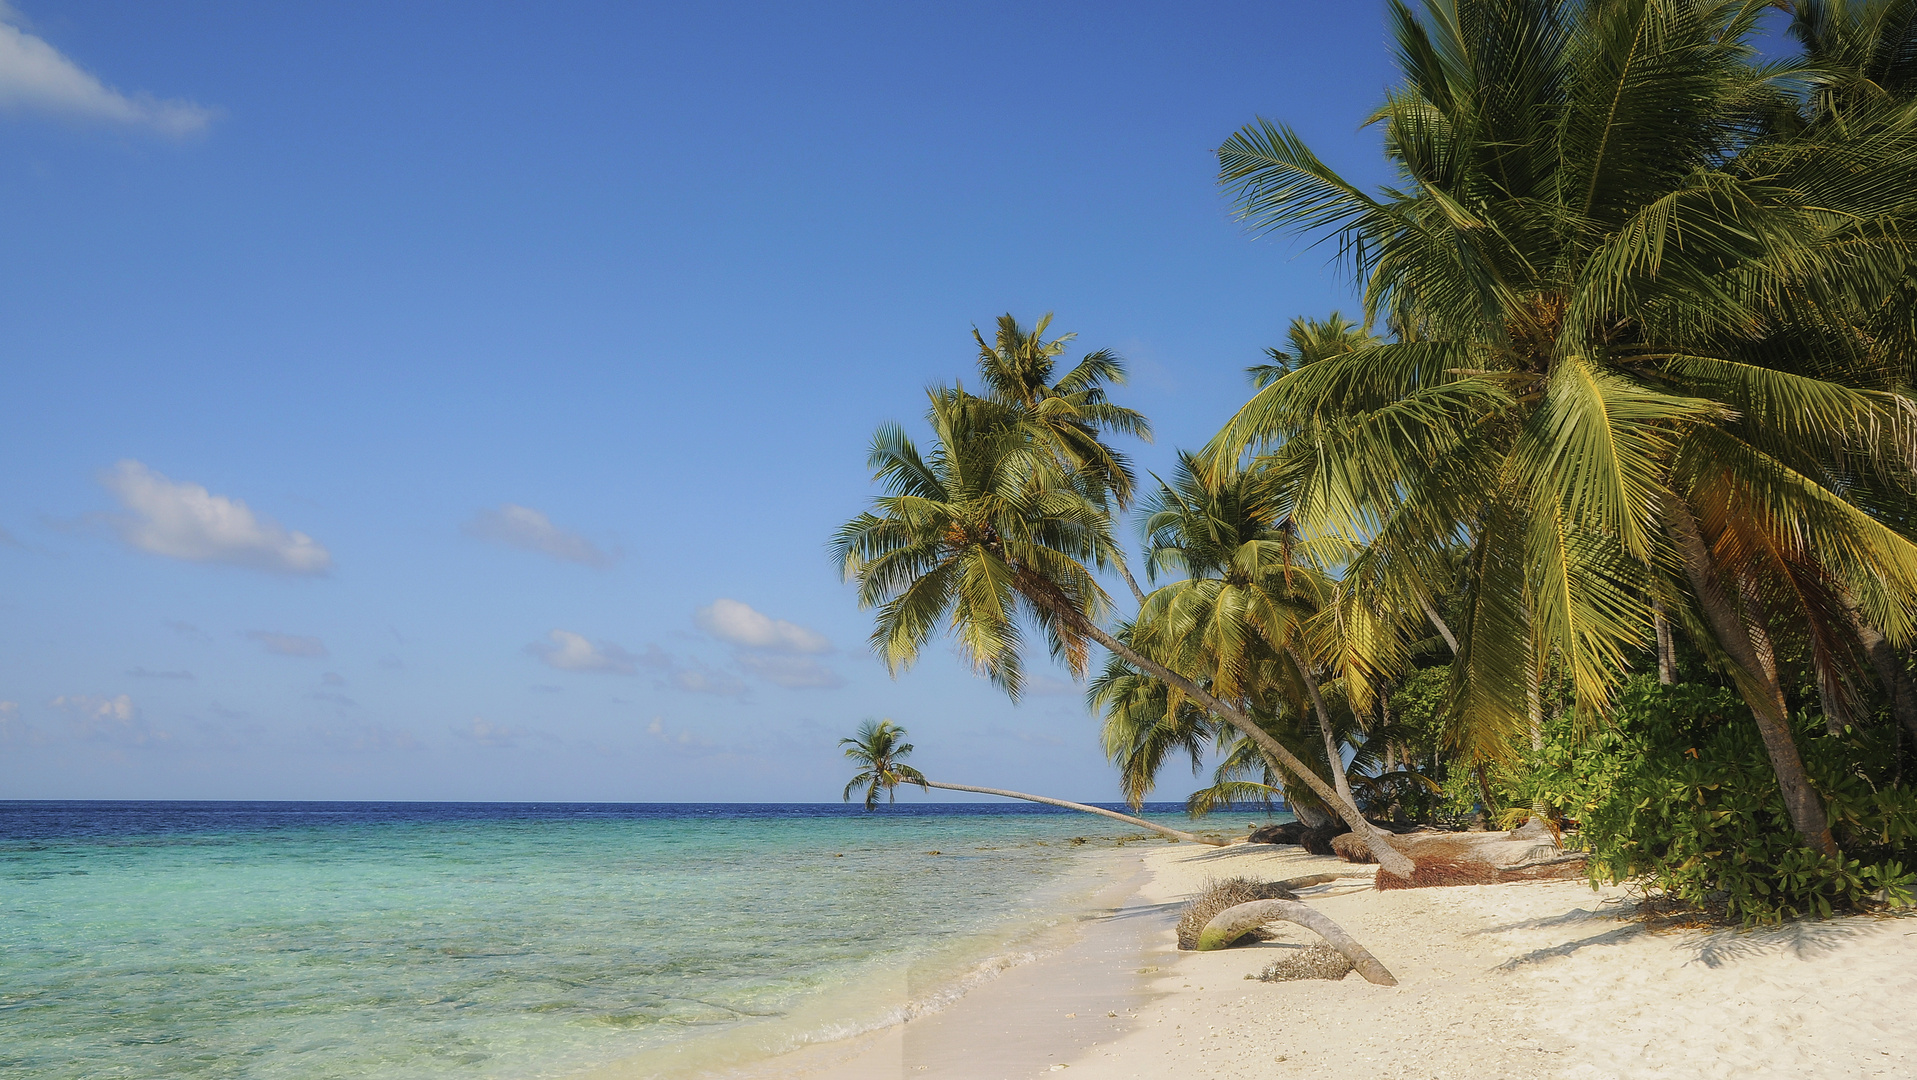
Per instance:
x=1529, y=853
x=1233, y=923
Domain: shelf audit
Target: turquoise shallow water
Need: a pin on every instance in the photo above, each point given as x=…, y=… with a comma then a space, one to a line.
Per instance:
x=417, y=940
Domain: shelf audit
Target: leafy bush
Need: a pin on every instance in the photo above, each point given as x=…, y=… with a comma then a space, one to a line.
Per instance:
x=1678, y=790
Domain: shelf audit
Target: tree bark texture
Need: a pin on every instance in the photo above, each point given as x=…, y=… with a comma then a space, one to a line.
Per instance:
x=1897, y=682
x=1666, y=644
x=1756, y=679
x=1235, y=922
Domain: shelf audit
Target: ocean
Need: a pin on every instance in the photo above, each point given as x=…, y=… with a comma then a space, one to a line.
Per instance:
x=406, y=940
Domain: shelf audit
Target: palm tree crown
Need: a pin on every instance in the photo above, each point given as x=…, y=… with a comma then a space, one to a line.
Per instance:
x=880, y=752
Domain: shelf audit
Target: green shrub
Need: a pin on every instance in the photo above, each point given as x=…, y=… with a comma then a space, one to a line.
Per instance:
x=1678, y=791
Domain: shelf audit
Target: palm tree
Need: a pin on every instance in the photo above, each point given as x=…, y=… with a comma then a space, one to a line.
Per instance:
x=1250, y=584
x=1070, y=415
x=1601, y=260
x=880, y=754
x=986, y=532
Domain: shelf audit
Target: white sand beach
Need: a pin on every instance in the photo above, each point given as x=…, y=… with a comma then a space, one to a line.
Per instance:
x=1516, y=980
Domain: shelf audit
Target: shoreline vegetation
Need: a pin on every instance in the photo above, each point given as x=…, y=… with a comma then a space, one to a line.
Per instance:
x=1588, y=551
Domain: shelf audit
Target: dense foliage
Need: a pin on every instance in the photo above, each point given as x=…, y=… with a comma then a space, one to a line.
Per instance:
x=1678, y=791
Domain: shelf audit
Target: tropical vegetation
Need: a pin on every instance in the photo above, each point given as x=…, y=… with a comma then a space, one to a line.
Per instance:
x=1619, y=454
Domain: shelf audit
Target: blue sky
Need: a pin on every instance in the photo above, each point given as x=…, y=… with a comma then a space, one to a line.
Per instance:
x=435, y=401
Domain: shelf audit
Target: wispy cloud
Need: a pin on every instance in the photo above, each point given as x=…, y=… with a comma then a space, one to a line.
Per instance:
x=568, y=651
x=790, y=672
x=96, y=718
x=740, y=624
x=774, y=650
x=185, y=521
x=527, y=529
x=287, y=644
x=143, y=673
x=35, y=77
x=187, y=629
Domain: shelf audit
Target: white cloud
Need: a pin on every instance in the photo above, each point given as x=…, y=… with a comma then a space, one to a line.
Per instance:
x=529, y=530
x=739, y=624
x=185, y=521
x=791, y=672
x=572, y=652
x=35, y=77
x=657, y=729
x=107, y=719
x=288, y=644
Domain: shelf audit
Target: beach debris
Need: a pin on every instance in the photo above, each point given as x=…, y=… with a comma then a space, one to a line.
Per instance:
x=1527, y=853
x=1288, y=833
x=1352, y=848
x=1318, y=961
x=1216, y=896
x=1234, y=923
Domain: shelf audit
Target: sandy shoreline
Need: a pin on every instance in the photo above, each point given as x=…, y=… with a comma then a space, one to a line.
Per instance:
x=1517, y=980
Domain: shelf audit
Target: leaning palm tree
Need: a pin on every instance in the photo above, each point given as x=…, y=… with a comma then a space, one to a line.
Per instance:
x=878, y=751
x=1072, y=413
x=987, y=533
x=1602, y=263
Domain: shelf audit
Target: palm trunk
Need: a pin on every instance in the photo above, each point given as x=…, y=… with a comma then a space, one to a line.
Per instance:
x=1389, y=858
x=1444, y=629
x=1666, y=644
x=1125, y=572
x=1334, y=759
x=1534, y=713
x=1162, y=830
x=1756, y=680
x=1898, y=685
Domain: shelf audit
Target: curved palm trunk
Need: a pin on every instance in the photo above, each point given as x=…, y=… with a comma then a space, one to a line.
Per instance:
x=1389, y=857
x=1235, y=922
x=1756, y=680
x=1162, y=830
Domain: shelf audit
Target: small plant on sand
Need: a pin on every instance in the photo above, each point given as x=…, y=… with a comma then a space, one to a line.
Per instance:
x=1216, y=896
x=1318, y=961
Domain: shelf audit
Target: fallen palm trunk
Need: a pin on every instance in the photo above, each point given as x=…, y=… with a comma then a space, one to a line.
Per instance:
x=1162, y=830
x=1530, y=853
x=1233, y=923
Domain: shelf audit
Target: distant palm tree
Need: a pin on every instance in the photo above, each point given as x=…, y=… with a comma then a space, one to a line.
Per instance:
x=879, y=753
